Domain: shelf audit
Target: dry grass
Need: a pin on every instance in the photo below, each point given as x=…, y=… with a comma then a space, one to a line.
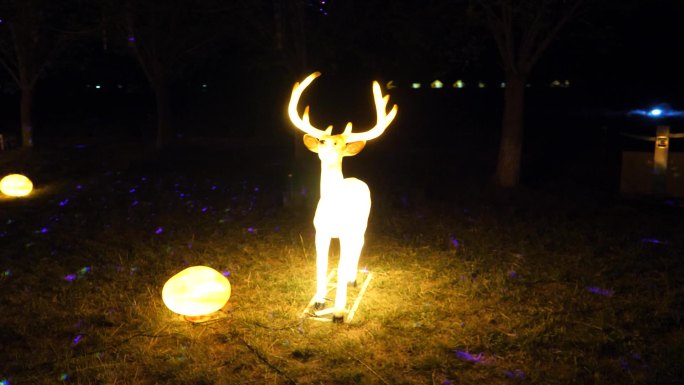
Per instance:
x=546, y=292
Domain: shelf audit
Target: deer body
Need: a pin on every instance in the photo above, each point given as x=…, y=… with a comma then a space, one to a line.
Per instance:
x=344, y=204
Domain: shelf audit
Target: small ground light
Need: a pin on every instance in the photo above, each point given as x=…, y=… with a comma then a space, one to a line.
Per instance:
x=196, y=292
x=16, y=185
x=655, y=112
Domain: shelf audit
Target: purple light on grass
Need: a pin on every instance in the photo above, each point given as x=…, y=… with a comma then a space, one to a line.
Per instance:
x=134, y=203
x=158, y=231
x=623, y=363
x=44, y=230
x=512, y=274
x=653, y=241
x=76, y=340
x=226, y=273
x=515, y=374
x=251, y=229
x=600, y=291
x=132, y=190
x=455, y=242
x=64, y=202
x=70, y=277
x=469, y=357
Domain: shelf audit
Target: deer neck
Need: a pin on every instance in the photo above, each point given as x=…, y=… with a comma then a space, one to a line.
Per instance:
x=331, y=179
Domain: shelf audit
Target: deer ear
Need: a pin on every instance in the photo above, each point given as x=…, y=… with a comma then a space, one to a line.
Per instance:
x=311, y=143
x=354, y=148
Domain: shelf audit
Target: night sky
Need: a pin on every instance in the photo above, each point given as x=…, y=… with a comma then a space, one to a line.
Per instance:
x=616, y=57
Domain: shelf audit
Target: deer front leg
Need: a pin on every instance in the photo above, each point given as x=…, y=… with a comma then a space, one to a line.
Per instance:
x=322, y=250
x=341, y=296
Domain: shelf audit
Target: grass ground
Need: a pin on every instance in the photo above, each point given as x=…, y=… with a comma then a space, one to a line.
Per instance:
x=541, y=290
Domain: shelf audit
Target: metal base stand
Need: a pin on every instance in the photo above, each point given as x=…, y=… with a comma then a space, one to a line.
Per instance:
x=326, y=314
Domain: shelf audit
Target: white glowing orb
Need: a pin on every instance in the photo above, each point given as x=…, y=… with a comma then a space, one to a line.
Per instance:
x=16, y=185
x=656, y=112
x=196, y=291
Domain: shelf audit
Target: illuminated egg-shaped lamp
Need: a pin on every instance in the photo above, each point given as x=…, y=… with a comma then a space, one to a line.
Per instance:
x=16, y=185
x=196, y=292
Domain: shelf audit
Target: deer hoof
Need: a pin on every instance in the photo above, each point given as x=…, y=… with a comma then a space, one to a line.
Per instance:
x=338, y=319
x=351, y=283
x=319, y=305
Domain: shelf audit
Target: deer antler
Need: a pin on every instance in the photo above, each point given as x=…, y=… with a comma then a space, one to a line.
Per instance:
x=383, y=121
x=383, y=118
x=303, y=122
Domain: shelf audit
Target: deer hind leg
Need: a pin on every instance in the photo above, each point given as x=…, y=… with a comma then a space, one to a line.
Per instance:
x=322, y=250
x=350, y=250
x=349, y=256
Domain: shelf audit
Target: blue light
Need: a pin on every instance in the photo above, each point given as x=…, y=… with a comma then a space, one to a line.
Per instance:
x=657, y=112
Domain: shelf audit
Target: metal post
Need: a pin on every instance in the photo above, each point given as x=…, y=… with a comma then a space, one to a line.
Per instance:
x=662, y=144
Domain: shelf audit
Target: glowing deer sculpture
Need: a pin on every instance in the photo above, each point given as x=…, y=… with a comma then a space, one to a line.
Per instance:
x=345, y=203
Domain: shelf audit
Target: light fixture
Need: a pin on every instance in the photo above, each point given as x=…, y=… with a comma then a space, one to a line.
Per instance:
x=16, y=185
x=196, y=291
x=345, y=203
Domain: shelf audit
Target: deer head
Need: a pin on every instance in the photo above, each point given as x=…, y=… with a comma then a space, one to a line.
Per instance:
x=332, y=148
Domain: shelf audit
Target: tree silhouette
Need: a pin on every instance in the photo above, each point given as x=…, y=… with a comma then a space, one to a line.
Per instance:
x=522, y=30
x=165, y=37
x=32, y=32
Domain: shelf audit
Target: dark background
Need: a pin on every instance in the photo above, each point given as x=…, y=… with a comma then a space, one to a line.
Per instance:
x=235, y=93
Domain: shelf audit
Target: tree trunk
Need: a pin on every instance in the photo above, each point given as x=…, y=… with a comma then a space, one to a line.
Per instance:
x=510, y=148
x=25, y=116
x=164, y=130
